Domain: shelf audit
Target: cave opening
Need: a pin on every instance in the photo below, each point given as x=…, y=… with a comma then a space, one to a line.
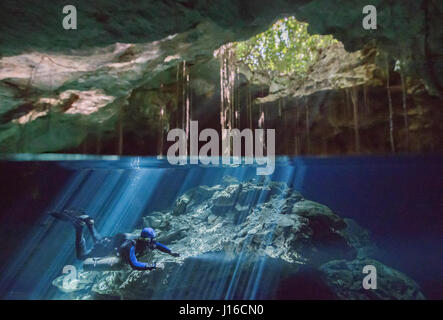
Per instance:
x=320, y=98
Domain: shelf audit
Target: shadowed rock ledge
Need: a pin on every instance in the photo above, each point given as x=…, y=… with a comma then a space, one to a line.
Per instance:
x=249, y=240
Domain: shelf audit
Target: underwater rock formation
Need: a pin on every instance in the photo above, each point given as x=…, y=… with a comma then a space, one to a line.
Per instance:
x=249, y=240
x=345, y=278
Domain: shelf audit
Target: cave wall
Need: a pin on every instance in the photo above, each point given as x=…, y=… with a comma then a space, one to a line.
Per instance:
x=101, y=88
x=402, y=25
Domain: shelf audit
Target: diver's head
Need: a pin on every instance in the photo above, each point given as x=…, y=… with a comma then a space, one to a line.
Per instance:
x=148, y=233
x=146, y=239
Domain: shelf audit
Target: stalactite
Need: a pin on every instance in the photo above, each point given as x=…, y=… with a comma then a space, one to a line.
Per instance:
x=261, y=120
x=161, y=138
x=324, y=148
x=232, y=72
x=24, y=144
x=347, y=105
x=183, y=95
x=191, y=99
x=177, y=106
x=226, y=88
x=98, y=145
x=365, y=99
x=405, y=108
x=250, y=107
x=228, y=112
x=183, y=98
x=120, y=137
x=188, y=115
x=354, y=98
x=227, y=85
x=308, y=135
x=238, y=107
x=232, y=84
x=247, y=105
x=429, y=55
x=222, y=87
x=85, y=141
x=49, y=113
x=295, y=145
x=391, y=120
x=297, y=138
x=161, y=127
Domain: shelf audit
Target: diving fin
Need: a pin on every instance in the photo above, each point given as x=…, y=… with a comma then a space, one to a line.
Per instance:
x=60, y=215
x=78, y=218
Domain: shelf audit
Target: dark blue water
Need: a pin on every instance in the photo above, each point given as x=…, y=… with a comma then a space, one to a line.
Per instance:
x=398, y=199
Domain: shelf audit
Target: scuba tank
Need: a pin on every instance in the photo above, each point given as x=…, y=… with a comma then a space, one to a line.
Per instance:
x=110, y=263
x=107, y=254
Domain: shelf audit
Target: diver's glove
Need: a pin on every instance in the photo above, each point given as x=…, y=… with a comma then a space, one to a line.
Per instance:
x=151, y=266
x=175, y=254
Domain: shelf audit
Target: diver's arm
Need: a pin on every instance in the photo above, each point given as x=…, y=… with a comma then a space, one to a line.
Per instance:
x=165, y=249
x=137, y=265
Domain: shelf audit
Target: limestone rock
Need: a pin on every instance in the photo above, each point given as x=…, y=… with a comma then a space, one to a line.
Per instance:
x=226, y=236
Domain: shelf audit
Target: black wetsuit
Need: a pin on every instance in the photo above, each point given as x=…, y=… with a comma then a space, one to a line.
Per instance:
x=130, y=248
x=124, y=245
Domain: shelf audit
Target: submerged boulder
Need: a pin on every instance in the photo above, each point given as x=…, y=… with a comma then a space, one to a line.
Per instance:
x=245, y=240
x=345, y=279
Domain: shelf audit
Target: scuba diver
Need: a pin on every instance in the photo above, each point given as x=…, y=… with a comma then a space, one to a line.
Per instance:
x=109, y=253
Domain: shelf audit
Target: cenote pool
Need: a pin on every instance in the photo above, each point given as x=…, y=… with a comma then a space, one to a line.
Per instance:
x=236, y=233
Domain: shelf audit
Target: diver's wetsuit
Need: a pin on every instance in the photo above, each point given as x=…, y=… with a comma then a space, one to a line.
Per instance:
x=130, y=248
x=101, y=248
x=124, y=245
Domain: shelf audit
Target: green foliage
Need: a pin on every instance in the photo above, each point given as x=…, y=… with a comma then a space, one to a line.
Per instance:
x=285, y=48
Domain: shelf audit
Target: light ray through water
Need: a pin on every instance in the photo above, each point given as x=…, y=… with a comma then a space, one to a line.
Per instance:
x=116, y=199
